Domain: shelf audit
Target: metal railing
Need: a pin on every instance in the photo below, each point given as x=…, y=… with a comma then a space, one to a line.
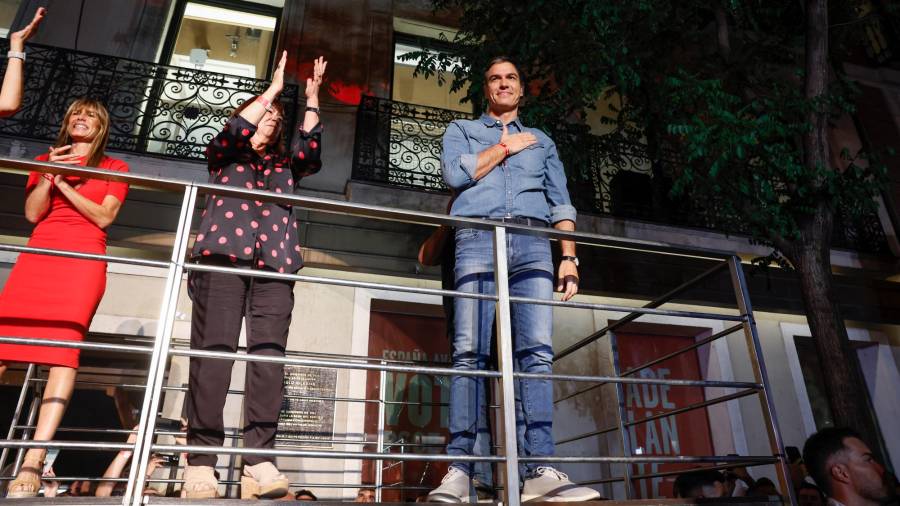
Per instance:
x=154, y=109
x=161, y=348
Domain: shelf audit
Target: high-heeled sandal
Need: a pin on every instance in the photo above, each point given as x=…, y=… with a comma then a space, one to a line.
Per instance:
x=263, y=481
x=28, y=481
x=200, y=483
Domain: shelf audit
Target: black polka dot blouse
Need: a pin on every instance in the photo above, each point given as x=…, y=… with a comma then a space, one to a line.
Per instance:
x=261, y=234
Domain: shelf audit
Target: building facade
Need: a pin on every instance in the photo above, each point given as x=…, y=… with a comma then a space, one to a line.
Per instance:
x=171, y=70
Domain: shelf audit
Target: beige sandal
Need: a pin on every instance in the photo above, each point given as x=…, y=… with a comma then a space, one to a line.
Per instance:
x=28, y=481
x=263, y=481
x=200, y=483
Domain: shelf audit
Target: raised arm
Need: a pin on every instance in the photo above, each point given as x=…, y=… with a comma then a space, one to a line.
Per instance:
x=14, y=79
x=306, y=145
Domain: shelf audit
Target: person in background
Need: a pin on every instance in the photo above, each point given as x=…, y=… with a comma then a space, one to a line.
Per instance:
x=701, y=484
x=365, y=494
x=249, y=153
x=305, y=495
x=14, y=78
x=55, y=297
x=844, y=468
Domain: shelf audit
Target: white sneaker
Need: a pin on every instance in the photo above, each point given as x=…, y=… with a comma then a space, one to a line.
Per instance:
x=549, y=485
x=454, y=487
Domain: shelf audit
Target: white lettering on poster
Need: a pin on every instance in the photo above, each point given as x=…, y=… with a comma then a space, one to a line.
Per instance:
x=658, y=437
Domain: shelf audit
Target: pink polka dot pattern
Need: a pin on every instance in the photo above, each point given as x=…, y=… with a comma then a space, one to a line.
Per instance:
x=255, y=228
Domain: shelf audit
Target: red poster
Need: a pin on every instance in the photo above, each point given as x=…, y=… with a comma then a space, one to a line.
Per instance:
x=419, y=417
x=684, y=434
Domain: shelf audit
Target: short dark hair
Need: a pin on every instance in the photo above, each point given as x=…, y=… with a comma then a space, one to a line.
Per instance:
x=820, y=447
x=687, y=483
x=504, y=59
x=307, y=493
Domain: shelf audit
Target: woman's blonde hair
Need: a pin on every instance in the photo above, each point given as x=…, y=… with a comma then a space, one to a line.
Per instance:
x=98, y=144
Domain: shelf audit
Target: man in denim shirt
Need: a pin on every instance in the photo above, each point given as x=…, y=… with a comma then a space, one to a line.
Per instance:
x=504, y=171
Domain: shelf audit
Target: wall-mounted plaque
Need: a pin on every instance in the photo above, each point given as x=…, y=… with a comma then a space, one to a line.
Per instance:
x=305, y=418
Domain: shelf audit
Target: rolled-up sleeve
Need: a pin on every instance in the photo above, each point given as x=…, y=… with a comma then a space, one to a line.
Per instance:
x=457, y=163
x=561, y=207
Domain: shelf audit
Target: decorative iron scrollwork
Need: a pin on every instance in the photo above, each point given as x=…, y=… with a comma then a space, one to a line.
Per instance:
x=154, y=109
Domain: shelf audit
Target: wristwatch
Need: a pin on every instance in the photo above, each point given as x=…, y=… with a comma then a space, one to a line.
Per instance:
x=571, y=259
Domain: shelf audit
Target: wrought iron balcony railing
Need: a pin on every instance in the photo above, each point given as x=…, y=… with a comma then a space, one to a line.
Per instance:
x=399, y=144
x=154, y=109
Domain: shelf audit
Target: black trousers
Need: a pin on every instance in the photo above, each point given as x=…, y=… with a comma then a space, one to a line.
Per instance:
x=221, y=302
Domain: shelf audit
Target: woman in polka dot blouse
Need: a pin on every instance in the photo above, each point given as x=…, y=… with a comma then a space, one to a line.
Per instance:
x=248, y=153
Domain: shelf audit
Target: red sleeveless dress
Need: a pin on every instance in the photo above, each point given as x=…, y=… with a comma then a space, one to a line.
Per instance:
x=54, y=297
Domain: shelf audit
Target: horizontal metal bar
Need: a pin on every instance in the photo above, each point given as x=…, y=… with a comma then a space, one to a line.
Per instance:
x=695, y=345
x=585, y=435
x=83, y=256
x=82, y=345
x=717, y=467
x=322, y=454
x=357, y=209
x=126, y=386
x=331, y=364
x=297, y=485
x=646, y=459
x=639, y=381
x=698, y=405
x=677, y=472
x=578, y=392
x=259, y=273
x=633, y=316
x=626, y=309
x=325, y=398
x=70, y=478
x=71, y=445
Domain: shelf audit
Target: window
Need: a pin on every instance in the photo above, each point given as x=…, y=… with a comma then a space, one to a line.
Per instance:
x=235, y=38
x=413, y=36
x=8, y=10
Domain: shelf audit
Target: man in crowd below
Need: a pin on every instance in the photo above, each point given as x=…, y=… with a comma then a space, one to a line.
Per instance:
x=844, y=468
x=702, y=484
x=503, y=171
x=365, y=494
x=305, y=495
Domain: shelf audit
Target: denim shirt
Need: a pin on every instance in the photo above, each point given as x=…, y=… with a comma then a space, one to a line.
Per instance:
x=530, y=183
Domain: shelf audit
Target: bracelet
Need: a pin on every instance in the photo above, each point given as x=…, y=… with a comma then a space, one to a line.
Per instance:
x=48, y=177
x=265, y=103
x=16, y=54
x=313, y=109
x=505, y=149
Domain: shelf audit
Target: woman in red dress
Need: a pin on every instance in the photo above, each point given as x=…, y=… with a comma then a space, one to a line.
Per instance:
x=54, y=297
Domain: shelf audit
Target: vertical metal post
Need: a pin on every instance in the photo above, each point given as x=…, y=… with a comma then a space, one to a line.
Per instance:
x=510, y=468
x=18, y=411
x=379, y=469
x=622, y=415
x=156, y=371
x=742, y=295
x=33, y=411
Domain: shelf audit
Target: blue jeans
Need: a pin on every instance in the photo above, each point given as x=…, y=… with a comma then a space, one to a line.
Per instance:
x=530, y=275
